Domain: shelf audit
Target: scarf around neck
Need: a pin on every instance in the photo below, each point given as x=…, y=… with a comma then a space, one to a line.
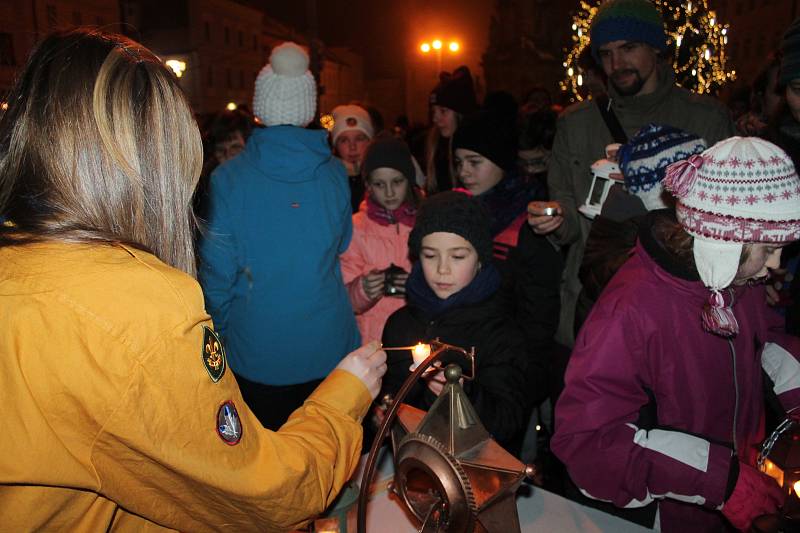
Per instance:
x=419, y=293
x=406, y=214
x=505, y=202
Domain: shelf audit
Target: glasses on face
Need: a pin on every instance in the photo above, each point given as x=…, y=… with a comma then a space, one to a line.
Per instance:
x=533, y=165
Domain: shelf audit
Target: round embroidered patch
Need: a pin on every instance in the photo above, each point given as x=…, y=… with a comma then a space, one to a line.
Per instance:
x=213, y=355
x=229, y=427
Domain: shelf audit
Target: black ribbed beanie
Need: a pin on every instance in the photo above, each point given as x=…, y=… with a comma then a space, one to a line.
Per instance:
x=453, y=212
x=490, y=135
x=456, y=91
x=390, y=153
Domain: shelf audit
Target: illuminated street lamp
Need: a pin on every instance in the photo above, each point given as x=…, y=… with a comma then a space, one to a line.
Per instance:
x=177, y=66
x=438, y=45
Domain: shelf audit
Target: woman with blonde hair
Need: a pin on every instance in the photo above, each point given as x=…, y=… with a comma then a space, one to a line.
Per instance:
x=451, y=100
x=112, y=378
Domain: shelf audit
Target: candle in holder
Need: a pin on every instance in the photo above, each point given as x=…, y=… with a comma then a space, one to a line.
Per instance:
x=420, y=353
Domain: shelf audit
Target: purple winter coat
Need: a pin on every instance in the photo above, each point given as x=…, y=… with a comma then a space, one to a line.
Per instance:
x=643, y=336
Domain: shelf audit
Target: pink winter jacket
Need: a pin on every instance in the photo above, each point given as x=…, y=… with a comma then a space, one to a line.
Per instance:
x=643, y=345
x=373, y=247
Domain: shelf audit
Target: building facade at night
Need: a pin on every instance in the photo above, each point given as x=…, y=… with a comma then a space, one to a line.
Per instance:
x=22, y=24
x=220, y=45
x=526, y=43
x=218, y=42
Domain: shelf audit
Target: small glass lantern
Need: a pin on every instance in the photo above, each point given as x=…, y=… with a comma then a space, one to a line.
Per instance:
x=605, y=173
x=779, y=456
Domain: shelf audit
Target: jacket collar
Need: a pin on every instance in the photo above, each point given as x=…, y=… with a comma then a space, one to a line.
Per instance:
x=663, y=265
x=656, y=252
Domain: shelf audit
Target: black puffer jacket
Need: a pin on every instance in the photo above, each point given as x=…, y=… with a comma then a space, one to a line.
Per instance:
x=530, y=293
x=501, y=393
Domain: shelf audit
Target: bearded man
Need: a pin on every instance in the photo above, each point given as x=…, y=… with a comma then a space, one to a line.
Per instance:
x=628, y=40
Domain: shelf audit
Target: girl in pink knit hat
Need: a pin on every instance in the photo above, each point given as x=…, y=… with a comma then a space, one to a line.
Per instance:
x=663, y=405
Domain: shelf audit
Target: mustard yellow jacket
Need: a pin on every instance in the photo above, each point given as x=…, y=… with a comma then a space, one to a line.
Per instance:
x=111, y=412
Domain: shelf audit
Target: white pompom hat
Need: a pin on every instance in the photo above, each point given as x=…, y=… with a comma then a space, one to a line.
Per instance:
x=285, y=92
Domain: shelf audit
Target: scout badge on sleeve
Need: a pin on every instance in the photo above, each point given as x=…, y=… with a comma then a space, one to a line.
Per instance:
x=229, y=427
x=213, y=355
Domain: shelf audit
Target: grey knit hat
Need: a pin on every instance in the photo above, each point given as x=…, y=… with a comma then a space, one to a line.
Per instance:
x=453, y=212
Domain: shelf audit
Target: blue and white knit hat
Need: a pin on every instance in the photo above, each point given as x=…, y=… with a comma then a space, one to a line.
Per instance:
x=285, y=92
x=644, y=160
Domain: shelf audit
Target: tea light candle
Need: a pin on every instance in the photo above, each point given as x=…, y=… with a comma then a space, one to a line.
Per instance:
x=420, y=353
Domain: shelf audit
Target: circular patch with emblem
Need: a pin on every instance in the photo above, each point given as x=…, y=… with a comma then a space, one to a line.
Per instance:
x=213, y=355
x=229, y=427
x=351, y=122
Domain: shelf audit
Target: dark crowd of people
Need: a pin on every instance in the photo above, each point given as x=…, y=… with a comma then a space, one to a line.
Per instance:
x=195, y=322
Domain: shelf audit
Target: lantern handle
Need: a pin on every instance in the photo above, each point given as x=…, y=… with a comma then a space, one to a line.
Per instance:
x=766, y=446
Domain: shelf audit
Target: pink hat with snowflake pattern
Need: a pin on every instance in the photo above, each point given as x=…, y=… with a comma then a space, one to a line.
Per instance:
x=741, y=190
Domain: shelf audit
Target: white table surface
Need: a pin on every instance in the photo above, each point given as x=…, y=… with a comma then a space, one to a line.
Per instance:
x=539, y=510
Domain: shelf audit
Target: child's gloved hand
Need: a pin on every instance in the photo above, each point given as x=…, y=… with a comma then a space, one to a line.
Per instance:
x=368, y=364
x=373, y=284
x=755, y=494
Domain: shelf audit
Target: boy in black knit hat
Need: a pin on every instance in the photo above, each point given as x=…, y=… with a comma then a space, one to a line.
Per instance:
x=452, y=295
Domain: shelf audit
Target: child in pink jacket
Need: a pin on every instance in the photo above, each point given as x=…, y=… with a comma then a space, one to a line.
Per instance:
x=376, y=265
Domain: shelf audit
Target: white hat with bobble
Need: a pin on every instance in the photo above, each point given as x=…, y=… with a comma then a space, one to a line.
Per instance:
x=285, y=92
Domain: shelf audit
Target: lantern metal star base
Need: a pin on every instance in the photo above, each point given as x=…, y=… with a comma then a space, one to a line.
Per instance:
x=449, y=472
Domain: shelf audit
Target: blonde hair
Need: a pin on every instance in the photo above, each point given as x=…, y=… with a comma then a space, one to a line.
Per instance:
x=99, y=145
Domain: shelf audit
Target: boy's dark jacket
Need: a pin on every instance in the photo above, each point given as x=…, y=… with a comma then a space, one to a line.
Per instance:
x=503, y=391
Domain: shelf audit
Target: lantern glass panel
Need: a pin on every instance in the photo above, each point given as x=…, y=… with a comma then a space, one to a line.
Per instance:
x=773, y=471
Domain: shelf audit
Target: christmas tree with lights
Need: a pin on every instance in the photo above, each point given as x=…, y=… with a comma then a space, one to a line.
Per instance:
x=695, y=38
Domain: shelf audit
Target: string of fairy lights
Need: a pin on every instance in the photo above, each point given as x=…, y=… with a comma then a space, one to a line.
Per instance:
x=695, y=37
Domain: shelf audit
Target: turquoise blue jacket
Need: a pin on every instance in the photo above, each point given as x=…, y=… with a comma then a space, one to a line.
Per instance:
x=279, y=216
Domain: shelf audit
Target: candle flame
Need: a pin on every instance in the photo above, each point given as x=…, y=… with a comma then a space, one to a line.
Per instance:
x=421, y=352
x=796, y=487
